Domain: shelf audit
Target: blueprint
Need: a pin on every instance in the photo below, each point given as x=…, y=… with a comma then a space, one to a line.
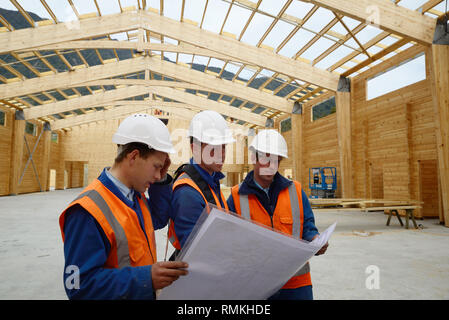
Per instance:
x=231, y=258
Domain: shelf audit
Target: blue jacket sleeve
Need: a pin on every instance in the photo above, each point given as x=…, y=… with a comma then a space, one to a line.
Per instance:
x=86, y=249
x=187, y=206
x=231, y=204
x=160, y=196
x=309, y=228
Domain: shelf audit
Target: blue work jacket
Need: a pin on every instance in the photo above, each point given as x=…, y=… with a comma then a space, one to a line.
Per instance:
x=87, y=247
x=187, y=204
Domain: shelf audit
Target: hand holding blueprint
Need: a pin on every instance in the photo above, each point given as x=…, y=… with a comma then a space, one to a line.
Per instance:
x=231, y=258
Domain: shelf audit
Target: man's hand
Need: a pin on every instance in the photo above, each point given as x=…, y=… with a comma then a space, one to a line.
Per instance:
x=164, y=273
x=164, y=169
x=323, y=248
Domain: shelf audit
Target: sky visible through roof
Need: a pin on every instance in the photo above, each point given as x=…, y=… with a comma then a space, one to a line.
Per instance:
x=216, y=13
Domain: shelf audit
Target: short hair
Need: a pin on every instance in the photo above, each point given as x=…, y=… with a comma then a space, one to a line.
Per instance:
x=124, y=150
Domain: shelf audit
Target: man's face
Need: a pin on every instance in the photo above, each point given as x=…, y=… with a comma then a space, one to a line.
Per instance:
x=147, y=171
x=212, y=157
x=266, y=165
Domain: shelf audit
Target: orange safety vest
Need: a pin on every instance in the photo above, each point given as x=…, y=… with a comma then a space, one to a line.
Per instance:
x=129, y=246
x=288, y=217
x=185, y=179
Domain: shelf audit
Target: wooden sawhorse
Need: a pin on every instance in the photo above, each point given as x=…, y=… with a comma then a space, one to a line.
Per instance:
x=408, y=215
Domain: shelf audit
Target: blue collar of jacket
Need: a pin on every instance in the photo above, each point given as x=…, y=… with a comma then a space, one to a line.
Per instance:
x=212, y=180
x=108, y=183
x=249, y=186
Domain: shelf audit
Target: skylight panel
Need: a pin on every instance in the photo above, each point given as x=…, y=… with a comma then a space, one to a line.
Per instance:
x=272, y=7
x=388, y=41
x=317, y=48
x=83, y=6
x=256, y=29
x=350, y=23
x=6, y=4
x=246, y=74
x=185, y=58
x=319, y=20
x=131, y=3
x=108, y=7
x=339, y=28
x=215, y=15
x=299, y=40
x=170, y=55
x=119, y=36
x=236, y=20
x=31, y=6
x=334, y=57
x=216, y=63
x=299, y=9
x=412, y=4
x=193, y=10
x=172, y=9
x=279, y=32
x=368, y=33
x=62, y=10
x=201, y=60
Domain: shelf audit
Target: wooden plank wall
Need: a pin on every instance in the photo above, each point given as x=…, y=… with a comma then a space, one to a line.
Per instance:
x=5, y=150
x=89, y=143
x=29, y=182
x=390, y=135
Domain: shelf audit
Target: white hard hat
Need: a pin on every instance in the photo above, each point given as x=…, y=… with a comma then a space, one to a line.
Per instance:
x=270, y=141
x=145, y=129
x=211, y=128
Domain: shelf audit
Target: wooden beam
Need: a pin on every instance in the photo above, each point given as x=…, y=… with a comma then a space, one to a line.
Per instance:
x=238, y=50
x=207, y=104
x=16, y=152
x=71, y=78
x=45, y=167
x=297, y=145
x=97, y=99
x=387, y=15
x=116, y=113
x=61, y=32
x=440, y=94
x=142, y=82
x=112, y=44
x=343, y=102
x=215, y=84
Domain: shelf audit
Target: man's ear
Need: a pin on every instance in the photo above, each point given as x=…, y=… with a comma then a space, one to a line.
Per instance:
x=133, y=155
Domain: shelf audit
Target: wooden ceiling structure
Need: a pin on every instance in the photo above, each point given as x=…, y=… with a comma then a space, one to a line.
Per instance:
x=158, y=70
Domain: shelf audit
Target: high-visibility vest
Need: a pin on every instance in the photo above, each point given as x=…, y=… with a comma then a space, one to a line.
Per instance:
x=288, y=217
x=185, y=179
x=130, y=247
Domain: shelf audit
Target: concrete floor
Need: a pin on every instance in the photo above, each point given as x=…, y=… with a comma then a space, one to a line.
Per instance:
x=411, y=264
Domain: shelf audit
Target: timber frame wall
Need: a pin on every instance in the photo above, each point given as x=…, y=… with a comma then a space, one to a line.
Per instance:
x=391, y=137
x=392, y=146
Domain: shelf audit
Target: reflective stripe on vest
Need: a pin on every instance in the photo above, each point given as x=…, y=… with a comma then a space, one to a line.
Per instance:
x=296, y=213
x=244, y=204
x=120, y=236
x=132, y=244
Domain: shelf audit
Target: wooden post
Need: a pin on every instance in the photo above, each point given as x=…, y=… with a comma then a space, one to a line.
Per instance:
x=16, y=152
x=297, y=142
x=440, y=94
x=409, y=145
x=343, y=102
x=46, y=141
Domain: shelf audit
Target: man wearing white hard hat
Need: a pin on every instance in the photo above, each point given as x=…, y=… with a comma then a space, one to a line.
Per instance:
x=198, y=182
x=269, y=198
x=108, y=230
